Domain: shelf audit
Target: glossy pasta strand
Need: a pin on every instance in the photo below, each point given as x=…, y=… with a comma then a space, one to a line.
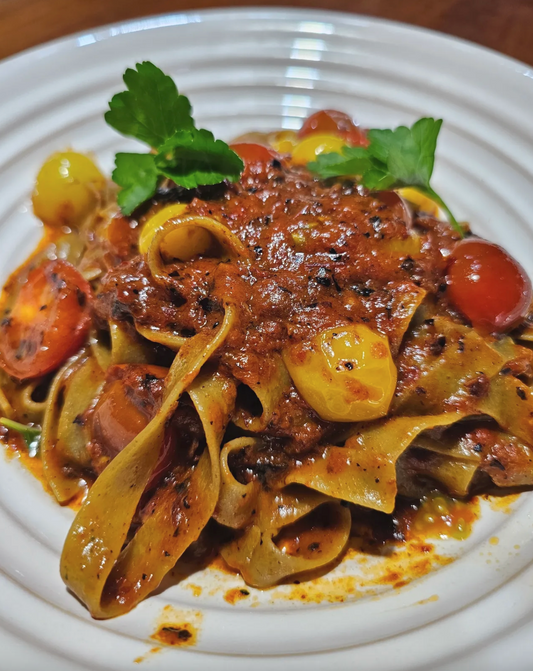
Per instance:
x=96, y=538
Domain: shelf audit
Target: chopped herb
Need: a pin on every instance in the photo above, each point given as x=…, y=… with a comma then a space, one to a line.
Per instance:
x=31, y=434
x=153, y=111
x=394, y=159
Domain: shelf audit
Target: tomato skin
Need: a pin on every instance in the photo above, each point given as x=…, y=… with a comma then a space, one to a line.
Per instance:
x=308, y=148
x=337, y=123
x=345, y=373
x=257, y=158
x=48, y=321
x=130, y=399
x=487, y=286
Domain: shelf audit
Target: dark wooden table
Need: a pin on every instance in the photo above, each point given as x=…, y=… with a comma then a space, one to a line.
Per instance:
x=504, y=25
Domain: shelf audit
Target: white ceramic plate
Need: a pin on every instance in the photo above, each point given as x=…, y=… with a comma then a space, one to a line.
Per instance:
x=264, y=69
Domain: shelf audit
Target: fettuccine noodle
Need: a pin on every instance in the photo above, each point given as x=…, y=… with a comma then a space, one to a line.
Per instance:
x=261, y=364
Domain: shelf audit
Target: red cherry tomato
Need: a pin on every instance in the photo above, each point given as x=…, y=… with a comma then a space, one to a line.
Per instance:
x=131, y=397
x=257, y=158
x=338, y=123
x=488, y=286
x=48, y=321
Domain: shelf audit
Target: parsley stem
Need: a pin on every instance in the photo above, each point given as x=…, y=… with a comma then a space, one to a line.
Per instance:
x=428, y=191
x=30, y=434
x=21, y=428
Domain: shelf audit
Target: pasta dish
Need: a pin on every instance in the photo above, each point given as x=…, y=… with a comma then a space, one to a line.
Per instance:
x=256, y=342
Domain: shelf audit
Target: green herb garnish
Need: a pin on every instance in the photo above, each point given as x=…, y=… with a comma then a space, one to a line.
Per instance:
x=394, y=159
x=153, y=111
x=31, y=434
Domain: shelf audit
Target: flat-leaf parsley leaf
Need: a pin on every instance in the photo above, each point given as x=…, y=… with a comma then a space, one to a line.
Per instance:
x=138, y=176
x=153, y=111
x=393, y=159
x=194, y=157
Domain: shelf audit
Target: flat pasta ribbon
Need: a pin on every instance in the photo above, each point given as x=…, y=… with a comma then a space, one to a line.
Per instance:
x=441, y=463
x=175, y=239
x=263, y=562
x=125, y=347
x=275, y=381
x=94, y=564
x=364, y=470
x=236, y=500
x=459, y=355
x=179, y=510
x=64, y=439
x=510, y=402
x=216, y=240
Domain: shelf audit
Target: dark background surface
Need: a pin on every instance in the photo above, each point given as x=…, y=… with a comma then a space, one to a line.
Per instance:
x=504, y=25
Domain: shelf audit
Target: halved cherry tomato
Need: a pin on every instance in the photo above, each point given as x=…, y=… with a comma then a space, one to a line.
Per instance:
x=131, y=397
x=257, y=158
x=487, y=285
x=48, y=321
x=338, y=123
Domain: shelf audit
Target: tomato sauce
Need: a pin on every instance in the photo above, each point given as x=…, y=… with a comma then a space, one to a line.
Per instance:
x=323, y=256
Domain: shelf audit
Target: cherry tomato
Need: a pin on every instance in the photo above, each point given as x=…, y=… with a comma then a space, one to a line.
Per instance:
x=48, y=321
x=488, y=286
x=66, y=189
x=346, y=373
x=312, y=146
x=338, y=123
x=257, y=158
x=130, y=399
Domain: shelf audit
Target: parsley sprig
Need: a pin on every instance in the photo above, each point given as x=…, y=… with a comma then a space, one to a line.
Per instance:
x=153, y=111
x=394, y=159
x=31, y=434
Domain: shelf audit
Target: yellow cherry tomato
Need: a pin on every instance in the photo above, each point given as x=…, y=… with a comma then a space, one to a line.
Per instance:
x=283, y=141
x=66, y=189
x=345, y=374
x=421, y=202
x=310, y=147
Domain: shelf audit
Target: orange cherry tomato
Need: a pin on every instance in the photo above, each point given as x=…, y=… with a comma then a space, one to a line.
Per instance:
x=257, y=158
x=488, y=286
x=338, y=123
x=130, y=399
x=48, y=321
